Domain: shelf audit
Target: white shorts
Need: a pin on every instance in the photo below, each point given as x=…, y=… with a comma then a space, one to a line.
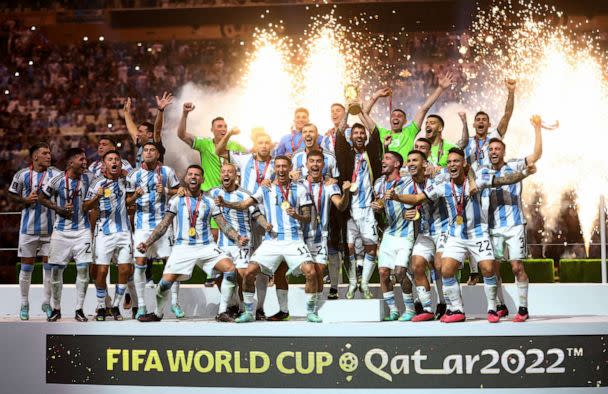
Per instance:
x=395, y=251
x=514, y=239
x=479, y=249
x=159, y=249
x=239, y=255
x=272, y=252
x=33, y=245
x=71, y=245
x=113, y=245
x=184, y=257
x=426, y=246
x=362, y=224
x=318, y=251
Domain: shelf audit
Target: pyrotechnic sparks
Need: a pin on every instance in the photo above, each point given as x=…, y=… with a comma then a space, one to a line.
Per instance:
x=560, y=76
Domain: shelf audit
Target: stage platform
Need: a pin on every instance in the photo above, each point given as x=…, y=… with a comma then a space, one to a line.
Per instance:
x=352, y=349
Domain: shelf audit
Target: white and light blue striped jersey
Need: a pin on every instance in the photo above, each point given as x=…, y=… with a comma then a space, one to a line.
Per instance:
x=35, y=219
x=477, y=152
x=329, y=139
x=178, y=205
x=239, y=220
x=506, y=208
x=284, y=227
x=398, y=226
x=63, y=191
x=434, y=217
x=316, y=231
x=150, y=207
x=475, y=213
x=113, y=214
x=96, y=166
x=363, y=178
x=330, y=165
x=250, y=168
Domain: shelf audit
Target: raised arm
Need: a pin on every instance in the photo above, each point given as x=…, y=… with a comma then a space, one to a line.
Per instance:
x=341, y=202
x=464, y=138
x=367, y=121
x=221, y=147
x=131, y=126
x=444, y=82
x=161, y=103
x=181, y=128
x=369, y=104
x=506, y=117
x=538, y=141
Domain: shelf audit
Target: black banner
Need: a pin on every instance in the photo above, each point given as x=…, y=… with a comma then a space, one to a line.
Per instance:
x=329, y=362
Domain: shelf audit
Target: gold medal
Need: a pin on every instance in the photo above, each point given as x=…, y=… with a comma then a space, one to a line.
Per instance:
x=417, y=217
x=354, y=187
x=192, y=232
x=107, y=192
x=459, y=220
x=284, y=205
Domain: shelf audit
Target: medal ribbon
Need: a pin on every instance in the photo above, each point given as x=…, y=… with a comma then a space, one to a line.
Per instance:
x=285, y=192
x=293, y=146
x=357, y=168
x=416, y=191
x=71, y=198
x=39, y=184
x=479, y=149
x=193, y=215
x=256, y=164
x=319, y=199
x=459, y=201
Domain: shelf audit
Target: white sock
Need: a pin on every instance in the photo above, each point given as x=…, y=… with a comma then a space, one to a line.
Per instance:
x=333, y=260
x=352, y=271
x=451, y=291
x=489, y=287
x=102, y=295
x=425, y=298
x=82, y=283
x=133, y=291
x=439, y=287
x=318, y=298
x=408, y=300
x=175, y=293
x=522, y=292
x=369, y=263
x=389, y=298
x=139, y=277
x=249, y=301
x=46, y=281
x=56, y=285
x=226, y=290
x=283, y=300
x=25, y=280
x=162, y=290
x=261, y=287
x=500, y=298
x=310, y=302
x=118, y=294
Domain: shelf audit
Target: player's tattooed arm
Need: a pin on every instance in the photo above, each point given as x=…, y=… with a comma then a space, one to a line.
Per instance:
x=229, y=230
x=132, y=197
x=504, y=121
x=464, y=138
x=261, y=219
x=343, y=123
x=25, y=201
x=509, y=179
x=172, y=192
x=303, y=217
x=341, y=202
x=410, y=199
x=160, y=230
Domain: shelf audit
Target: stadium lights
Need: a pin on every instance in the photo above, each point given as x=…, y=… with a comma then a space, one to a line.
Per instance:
x=109, y=125
x=33, y=28
x=101, y=38
x=139, y=44
x=16, y=73
x=136, y=68
x=85, y=38
x=31, y=63
x=6, y=92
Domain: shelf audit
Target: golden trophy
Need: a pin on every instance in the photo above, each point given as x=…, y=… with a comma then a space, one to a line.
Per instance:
x=353, y=103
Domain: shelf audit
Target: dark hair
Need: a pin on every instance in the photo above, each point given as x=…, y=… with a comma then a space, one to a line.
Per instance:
x=338, y=105
x=426, y=140
x=397, y=156
x=149, y=126
x=417, y=152
x=456, y=150
x=301, y=109
x=311, y=124
x=197, y=167
x=283, y=157
x=399, y=110
x=109, y=139
x=500, y=141
x=72, y=152
x=357, y=126
x=315, y=152
x=37, y=146
x=439, y=118
x=218, y=118
x=154, y=144
x=482, y=113
x=113, y=151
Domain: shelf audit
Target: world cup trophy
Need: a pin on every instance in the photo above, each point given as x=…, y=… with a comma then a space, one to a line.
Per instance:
x=351, y=94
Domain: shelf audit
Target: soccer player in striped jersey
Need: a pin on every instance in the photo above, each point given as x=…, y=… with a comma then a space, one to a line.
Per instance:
x=507, y=221
x=287, y=205
x=242, y=221
x=191, y=215
x=36, y=223
x=104, y=145
x=316, y=233
x=108, y=194
x=398, y=238
x=299, y=169
x=338, y=113
x=71, y=238
x=151, y=187
x=467, y=231
x=476, y=150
